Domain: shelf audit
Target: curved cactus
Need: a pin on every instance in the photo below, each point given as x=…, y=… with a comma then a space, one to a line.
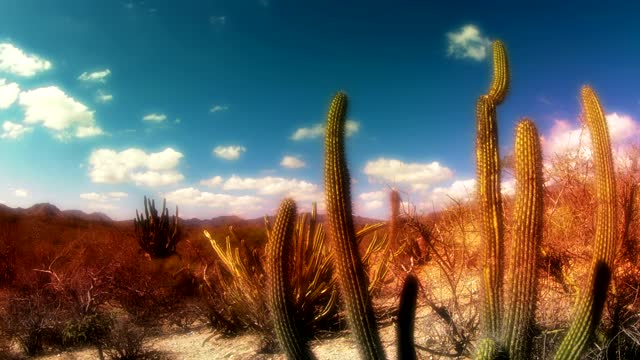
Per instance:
x=501, y=76
x=279, y=291
x=526, y=242
x=352, y=279
x=491, y=227
x=591, y=299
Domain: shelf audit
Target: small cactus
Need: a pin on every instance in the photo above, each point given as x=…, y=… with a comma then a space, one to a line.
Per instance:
x=157, y=235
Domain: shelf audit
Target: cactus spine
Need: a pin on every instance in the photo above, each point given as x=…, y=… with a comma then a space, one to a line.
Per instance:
x=520, y=315
x=352, y=279
x=279, y=290
x=590, y=301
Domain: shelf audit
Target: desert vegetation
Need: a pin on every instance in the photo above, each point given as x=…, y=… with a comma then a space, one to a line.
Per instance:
x=550, y=272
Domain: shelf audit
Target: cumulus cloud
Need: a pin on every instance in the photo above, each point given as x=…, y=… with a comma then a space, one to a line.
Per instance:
x=231, y=152
x=155, y=117
x=97, y=76
x=420, y=176
x=59, y=112
x=269, y=185
x=467, y=42
x=350, y=127
x=372, y=200
x=212, y=182
x=218, y=108
x=11, y=130
x=8, y=93
x=15, y=61
x=103, y=97
x=236, y=204
x=566, y=138
x=135, y=166
x=292, y=162
x=21, y=193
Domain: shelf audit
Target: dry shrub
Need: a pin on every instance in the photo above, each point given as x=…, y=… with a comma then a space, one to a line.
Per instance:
x=128, y=341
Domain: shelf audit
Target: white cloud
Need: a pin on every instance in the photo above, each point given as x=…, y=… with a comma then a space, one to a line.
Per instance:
x=99, y=76
x=270, y=185
x=292, y=162
x=103, y=97
x=468, y=43
x=8, y=93
x=212, y=182
x=15, y=61
x=419, y=176
x=218, y=108
x=21, y=193
x=12, y=130
x=231, y=152
x=135, y=165
x=372, y=200
x=238, y=204
x=57, y=111
x=155, y=117
x=350, y=127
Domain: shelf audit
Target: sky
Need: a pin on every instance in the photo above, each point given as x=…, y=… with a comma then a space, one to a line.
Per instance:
x=219, y=106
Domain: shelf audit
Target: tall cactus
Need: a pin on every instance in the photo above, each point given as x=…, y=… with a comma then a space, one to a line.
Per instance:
x=527, y=238
x=279, y=290
x=590, y=302
x=157, y=235
x=501, y=75
x=352, y=279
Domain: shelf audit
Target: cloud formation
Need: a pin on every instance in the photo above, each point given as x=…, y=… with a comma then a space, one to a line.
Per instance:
x=350, y=127
x=219, y=108
x=292, y=162
x=103, y=97
x=212, y=182
x=420, y=176
x=11, y=130
x=97, y=76
x=231, y=152
x=238, y=205
x=135, y=166
x=55, y=110
x=103, y=197
x=467, y=42
x=8, y=93
x=15, y=61
x=155, y=117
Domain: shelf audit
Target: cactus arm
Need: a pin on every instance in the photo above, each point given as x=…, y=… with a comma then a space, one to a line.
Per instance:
x=591, y=300
x=520, y=315
x=488, y=163
x=279, y=291
x=501, y=75
x=352, y=279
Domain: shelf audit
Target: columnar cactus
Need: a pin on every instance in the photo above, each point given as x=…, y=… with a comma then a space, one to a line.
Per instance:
x=591, y=300
x=279, y=290
x=157, y=235
x=352, y=279
x=527, y=238
x=406, y=318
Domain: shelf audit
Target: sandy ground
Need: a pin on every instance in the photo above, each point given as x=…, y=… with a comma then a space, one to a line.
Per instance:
x=197, y=345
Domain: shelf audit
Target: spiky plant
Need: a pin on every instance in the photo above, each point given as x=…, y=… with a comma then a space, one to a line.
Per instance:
x=352, y=279
x=158, y=235
x=590, y=302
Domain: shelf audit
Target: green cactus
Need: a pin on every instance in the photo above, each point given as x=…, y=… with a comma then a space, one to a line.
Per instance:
x=590, y=302
x=279, y=290
x=157, y=235
x=527, y=238
x=352, y=279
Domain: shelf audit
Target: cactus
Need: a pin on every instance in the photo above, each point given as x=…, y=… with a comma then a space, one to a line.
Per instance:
x=406, y=318
x=520, y=315
x=352, y=279
x=591, y=300
x=279, y=291
x=157, y=235
x=501, y=76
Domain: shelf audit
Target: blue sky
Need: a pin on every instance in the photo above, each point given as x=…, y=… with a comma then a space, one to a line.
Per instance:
x=219, y=105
